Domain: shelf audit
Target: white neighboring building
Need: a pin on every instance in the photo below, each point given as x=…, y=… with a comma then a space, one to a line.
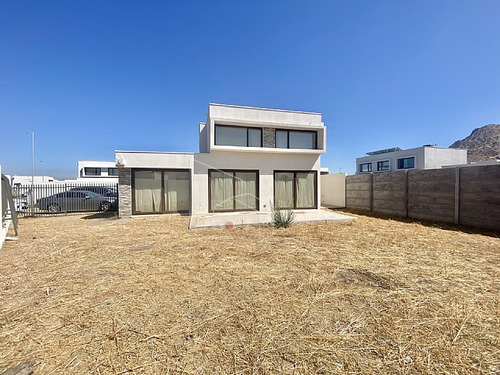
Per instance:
x=26, y=180
x=250, y=158
x=396, y=159
x=92, y=171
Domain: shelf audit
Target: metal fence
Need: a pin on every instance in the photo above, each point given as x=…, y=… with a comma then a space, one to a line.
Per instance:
x=58, y=198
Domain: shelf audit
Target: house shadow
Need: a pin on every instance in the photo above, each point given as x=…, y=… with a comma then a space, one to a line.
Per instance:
x=427, y=223
x=102, y=215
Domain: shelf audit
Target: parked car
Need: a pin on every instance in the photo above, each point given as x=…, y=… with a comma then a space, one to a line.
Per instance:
x=76, y=201
x=102, y=190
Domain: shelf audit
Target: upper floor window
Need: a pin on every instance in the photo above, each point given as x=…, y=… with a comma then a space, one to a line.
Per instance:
x=406, y=163
x=92, y=171
x=383, y=165
x=365, y=167
x=301, y=139
x=228, y=135
x=112, y=171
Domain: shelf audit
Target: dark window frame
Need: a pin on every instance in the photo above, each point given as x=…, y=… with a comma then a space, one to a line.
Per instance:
x=162, y=202
x=295, y=189
x=98, y=171
x=113, y=169
x=296, y=131
x=401, y=162
x=370, y=168
x=379, y=164
x=239, y=127
x=234, y=171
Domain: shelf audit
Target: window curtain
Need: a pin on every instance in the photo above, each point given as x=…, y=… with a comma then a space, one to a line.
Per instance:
x=176, y=186
x=246, y=190
x=283, y=190
x=305, y=190
x=147, y=187
x=221, y=187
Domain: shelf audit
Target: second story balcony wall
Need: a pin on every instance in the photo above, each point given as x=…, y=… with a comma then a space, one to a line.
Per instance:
x=247, y=129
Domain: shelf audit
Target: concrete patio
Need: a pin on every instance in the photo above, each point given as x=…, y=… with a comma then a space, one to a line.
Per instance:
x=256, y=218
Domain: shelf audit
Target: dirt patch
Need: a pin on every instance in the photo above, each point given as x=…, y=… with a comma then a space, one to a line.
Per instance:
x=148, y=296
x=367, y=278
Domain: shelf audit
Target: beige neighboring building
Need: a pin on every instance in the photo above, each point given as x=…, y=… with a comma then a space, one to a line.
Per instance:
x=249, y=159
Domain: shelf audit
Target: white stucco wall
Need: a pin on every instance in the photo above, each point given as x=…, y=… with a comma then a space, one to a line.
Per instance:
x=264, y=118
x=266, y=164
x=104, y=165
x=145, y=159
x=333, y=190
x=439, y=157
x=199, y=164
x=263, y=115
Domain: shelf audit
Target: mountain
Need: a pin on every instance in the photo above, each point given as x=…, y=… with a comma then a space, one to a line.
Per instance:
x=482, y=144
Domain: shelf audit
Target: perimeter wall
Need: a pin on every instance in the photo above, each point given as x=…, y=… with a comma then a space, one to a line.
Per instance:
x=464, y=195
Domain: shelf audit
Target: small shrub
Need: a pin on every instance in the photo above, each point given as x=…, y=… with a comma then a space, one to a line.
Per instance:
x=282, y=218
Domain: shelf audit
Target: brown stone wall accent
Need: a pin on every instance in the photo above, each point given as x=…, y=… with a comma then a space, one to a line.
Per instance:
x=124, y=192
x=269, y=137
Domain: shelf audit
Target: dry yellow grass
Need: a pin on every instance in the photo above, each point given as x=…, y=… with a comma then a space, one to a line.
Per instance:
x=146, y=295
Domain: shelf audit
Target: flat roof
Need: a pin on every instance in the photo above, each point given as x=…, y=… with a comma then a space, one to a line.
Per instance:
x=262, y=109
x=156, y=152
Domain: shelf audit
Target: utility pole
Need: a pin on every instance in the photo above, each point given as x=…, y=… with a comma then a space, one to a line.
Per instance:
x=43, y=172
x=32, y=169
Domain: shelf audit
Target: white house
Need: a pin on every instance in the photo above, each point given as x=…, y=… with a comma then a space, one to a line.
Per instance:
x=396, y=159
x=93, y=171
x=249, y=159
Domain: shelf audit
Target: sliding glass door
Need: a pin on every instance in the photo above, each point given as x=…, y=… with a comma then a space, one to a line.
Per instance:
x=233, y=190
x=147, y=192
x=160, y=191
x=295, y=189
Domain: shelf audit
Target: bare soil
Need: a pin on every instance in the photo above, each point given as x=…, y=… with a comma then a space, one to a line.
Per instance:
x=91, y=295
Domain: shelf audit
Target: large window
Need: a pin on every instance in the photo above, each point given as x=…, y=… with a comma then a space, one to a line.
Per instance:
x=406, y=163
x=295, y=189
x=160, y=191
x=383, y=166
x=233, y=190
x=112, y=171
x=92, y=171
x=227, y=135
x=296, y=139
x=365, y=167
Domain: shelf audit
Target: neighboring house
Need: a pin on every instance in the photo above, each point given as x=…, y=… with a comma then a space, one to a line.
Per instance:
x=250, y=158
x=97, y=171
x=25, y=180
x=396, y=159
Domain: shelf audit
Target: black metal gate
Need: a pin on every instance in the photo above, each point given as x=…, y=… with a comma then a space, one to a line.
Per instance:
x=57, y=198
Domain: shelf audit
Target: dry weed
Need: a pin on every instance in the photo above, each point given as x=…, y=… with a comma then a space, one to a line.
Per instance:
x=146, y=295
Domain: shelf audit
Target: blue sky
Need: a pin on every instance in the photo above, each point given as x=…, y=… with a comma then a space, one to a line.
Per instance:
x=90, y=77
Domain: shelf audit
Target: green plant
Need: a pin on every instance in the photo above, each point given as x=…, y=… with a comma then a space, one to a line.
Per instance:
x=282, y=218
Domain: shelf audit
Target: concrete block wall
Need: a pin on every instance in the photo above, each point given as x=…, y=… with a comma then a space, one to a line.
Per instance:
x=390, y=193
x=467, y=195
x=480, y=196
x=432, y=195
x=124, y=192
x=359, y=192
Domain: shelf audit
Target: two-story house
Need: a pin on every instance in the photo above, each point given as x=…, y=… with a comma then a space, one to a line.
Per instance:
x=397, y=159
x=97, y=171
x=249, y=159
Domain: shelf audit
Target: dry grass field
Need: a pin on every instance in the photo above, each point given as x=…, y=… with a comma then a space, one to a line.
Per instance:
x=148, y=296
